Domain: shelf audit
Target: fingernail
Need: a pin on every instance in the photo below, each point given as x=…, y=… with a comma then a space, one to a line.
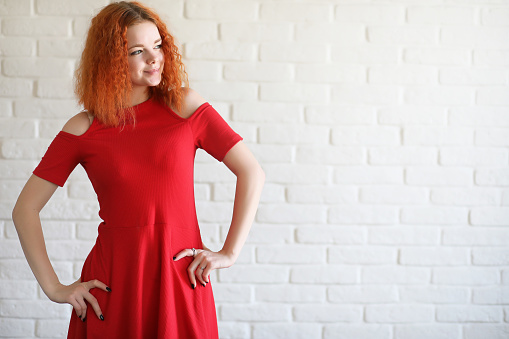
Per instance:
x=79, y=316
x=192, y=285
x=108, y=289
x=174, y=258
x=203, y=285
x=84, y=319
x=101, y=317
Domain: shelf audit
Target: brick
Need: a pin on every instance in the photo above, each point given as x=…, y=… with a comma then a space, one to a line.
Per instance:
x=17, y=327
x=437, y=15
x=434, y=215
x=202, y=70
x=293, y=52
x=65, y=210
x=16, y=169
x=74, y=7
x=11, y=189
x=366, y=136
x=17, y=47
x=397, y=35
x=255, y=274
x=81, y=190
x=415, y=116
x=505, y=198
x=291, y=213
x=331, y=234
x=293, y=134
x=340, y=115
x=474, y=36
x=327, y=313
x=405, y=155
x=472, y=196
x=295, y=12
x=361, y=255
x=475, y=236
x=438, y=95
x=52, y=328
x=495, y=295
x=364, y=331
x=438, y=176
x=364, y=54
x=213, y=172
x=240, y=51
x=330, y=73
x=215, y=212
x=14, y=128
x=395, y=275
x=17, y=289
x=474, y=77
x=252, y=312
x=332, y=155
x=492, y=137
x=222, y=192
x=44, y=108
x=297, y=92
x=490, y=216
x=15, y=87
x=469, y=276
x=437, y=136
x=363, y=214
x=321, y=194
x=366, y=94
x=221, y=10
x=38, y=67
x=399, y=313
x=255, y=32
x=493, y=57
x=297, y=173
x=435, y=331
x=31, y=309
x=339, y=34
x=226, y=91
x=393, y=195
x=60, y=48
x=363, y=294
x=265, y=71
x=404, y=235
x=11, y=249
x=233, y=329
x=230, y=293
x=437, y=56
x=15, y=7
x=286, y=330
x=24, y=149
x=479, y=117
x=374, y=14
x=368, y=175
x=5, y=108
x=434, y=256
x=403, y=75
x=267, y=112
x=481, y=331
x=290, y=254
x=494, y=16
x=70, y=250
x=279, y=234
x=474, y=157
x=324, y=274
x=492, y=177
x=464, y=313
x=273, y=193
x=492, y=96
x=289, y=294
x=55, y=89
x=36, y=27
x=434, y=294
x=491, y=256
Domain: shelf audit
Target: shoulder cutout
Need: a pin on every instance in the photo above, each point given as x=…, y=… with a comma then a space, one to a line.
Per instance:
x=192, y=100
x=78, y=124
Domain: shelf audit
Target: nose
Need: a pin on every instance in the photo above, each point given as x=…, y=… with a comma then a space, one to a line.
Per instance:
x=151, y=58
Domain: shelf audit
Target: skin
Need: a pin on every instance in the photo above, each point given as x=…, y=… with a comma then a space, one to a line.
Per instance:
x=144, y=55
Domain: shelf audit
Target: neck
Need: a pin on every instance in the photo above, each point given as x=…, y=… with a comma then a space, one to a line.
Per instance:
x=139, y=95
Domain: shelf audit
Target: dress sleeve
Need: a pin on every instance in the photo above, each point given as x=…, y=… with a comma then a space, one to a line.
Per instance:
x=60, y=159
x=211, y=132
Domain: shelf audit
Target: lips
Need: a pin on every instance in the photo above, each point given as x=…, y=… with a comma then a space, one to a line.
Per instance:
x=153, y=71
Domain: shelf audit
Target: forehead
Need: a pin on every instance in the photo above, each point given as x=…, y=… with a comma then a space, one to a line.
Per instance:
x=144, y=31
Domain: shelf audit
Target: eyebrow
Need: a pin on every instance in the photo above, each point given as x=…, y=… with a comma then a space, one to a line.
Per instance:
x=141, y=45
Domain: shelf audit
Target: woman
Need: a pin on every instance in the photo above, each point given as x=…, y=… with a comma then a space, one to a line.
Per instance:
x=148, y=274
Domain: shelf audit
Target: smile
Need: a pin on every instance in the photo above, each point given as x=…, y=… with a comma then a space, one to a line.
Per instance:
x=152, y=71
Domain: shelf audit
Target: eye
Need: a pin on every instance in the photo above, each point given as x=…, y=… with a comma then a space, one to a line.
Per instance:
x=159, y=46
x=136, y=52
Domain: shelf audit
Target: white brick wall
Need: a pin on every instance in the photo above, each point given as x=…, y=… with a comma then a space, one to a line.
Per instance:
x=383, y=128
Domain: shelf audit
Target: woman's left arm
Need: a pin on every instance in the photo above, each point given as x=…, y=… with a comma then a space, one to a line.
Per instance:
x=250, y=179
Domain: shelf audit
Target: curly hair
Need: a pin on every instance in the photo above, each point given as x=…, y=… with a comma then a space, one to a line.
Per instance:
x=102, y=81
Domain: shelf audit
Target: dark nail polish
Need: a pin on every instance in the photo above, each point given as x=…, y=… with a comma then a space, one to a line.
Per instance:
x=174, y=258
x=101, y=317
x=79, y=316
x=192, y=285
x=108, y=289
x=203, y=285
x=84, y=319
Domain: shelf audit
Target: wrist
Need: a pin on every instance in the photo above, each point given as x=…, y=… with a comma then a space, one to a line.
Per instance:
x=231, y=255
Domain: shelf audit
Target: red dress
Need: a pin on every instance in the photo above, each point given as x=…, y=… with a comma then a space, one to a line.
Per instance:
x=143, y=176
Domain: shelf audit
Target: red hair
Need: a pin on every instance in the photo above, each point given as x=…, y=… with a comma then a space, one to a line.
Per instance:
x=102, y=81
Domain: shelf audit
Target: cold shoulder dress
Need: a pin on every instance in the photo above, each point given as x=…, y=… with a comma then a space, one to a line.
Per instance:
x=143, y=176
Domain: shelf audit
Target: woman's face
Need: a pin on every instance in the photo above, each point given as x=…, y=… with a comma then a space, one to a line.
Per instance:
x=145, y=55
